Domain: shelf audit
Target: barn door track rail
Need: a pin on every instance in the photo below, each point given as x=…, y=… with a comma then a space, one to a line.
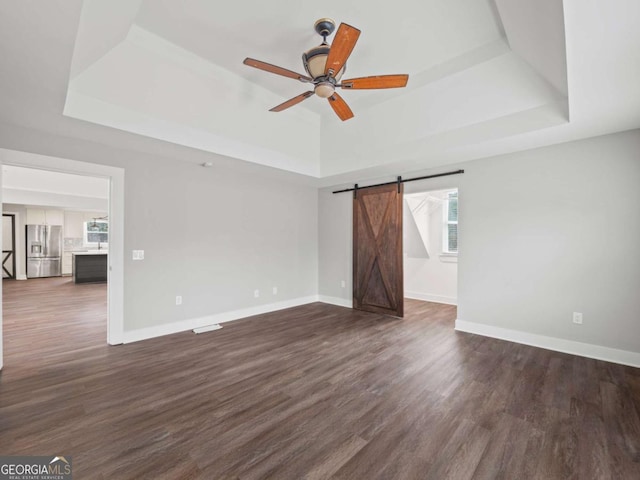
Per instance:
x=399, y=180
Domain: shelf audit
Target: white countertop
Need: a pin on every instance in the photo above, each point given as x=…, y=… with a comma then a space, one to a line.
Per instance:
x=91, y=252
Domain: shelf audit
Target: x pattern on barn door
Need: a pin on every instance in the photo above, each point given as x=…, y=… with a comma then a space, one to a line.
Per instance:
x=377, y=250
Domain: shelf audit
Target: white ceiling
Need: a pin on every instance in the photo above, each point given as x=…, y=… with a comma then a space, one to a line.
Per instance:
x=32, y=179
x=486, y=77
x=31, y=186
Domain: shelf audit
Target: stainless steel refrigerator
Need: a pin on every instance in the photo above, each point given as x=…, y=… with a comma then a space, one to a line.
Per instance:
x=44, y=251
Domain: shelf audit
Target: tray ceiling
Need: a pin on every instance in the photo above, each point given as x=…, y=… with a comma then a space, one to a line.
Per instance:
x=165, y=78
x=173, y=71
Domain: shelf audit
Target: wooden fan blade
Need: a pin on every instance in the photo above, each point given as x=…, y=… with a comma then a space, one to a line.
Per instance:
x=377, y=81
x=342, y=46
x=267, y=67
x=340, y=107
x=291, y=102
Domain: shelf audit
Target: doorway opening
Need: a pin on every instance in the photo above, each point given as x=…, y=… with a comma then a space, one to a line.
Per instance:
x=8, y=246
x=430, y=246
x=68, y=215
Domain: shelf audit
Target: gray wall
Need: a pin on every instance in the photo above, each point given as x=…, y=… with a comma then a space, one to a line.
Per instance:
x=543, y=233
x=211, y=235
x=214, y=236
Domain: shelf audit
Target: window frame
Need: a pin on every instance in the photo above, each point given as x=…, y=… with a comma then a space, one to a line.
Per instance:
x=85, y=234
x=446, y=251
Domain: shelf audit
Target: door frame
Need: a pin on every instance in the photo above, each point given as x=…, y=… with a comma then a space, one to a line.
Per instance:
x=445, y=300
x=14, y=273
x=115, y=175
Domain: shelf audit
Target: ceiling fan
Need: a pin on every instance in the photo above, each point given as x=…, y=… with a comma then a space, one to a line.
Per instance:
x=325, y=65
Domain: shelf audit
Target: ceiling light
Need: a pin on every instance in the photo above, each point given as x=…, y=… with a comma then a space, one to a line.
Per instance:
x=324, y=89
x=315, y=61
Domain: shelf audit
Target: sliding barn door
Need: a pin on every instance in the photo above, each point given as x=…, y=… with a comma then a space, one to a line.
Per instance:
x=377, y=250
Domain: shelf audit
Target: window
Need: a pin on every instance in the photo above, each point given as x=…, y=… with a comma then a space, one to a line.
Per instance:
x=96, y=232
x=450, y=237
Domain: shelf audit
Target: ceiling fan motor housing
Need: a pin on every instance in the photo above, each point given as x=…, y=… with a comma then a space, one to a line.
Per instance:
x=315, y=60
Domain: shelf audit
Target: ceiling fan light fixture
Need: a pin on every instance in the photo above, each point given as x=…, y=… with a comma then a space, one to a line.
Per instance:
x=325, y=89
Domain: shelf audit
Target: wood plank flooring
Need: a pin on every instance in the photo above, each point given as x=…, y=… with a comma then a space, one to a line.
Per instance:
x=314, y=392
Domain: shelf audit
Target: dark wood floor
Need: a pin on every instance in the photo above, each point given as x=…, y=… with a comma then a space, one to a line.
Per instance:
x=311, y=392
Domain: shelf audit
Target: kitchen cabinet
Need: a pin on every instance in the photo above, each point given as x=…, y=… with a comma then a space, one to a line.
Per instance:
x=89, y=267
x=67, y=263
x=41, y=216
x=73, y=224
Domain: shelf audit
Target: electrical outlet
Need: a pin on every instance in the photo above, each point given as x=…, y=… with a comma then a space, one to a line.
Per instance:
x=275, y=290
x=343, y=284
x=577, y=318
x=256, y=293
x=178, y=299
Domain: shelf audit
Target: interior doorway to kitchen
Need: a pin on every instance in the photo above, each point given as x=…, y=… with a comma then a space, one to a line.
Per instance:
x=430, y=246
x=68, y=250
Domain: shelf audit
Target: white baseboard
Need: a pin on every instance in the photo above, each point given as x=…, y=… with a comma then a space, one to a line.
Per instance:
x=21, y=277
x=341, y=302
x=598, y=352
x=426, y=297
x=190, y=324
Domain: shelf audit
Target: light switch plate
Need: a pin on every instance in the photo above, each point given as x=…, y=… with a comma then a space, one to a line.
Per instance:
x=138, y=254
